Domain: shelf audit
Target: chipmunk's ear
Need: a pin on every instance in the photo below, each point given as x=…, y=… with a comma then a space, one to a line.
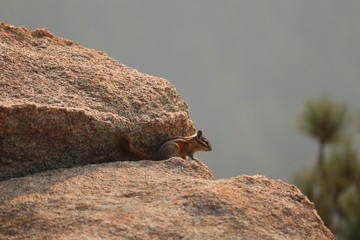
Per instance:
x=199, y=133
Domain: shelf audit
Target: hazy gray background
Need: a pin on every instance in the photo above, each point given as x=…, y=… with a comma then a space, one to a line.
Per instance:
x=244, y=67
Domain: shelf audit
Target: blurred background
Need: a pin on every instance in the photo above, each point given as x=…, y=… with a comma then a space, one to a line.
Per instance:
x=246, y=68
x=260, y=77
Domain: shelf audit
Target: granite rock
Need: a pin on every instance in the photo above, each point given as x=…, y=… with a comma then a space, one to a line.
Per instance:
x=171, y=199
x=64, y=105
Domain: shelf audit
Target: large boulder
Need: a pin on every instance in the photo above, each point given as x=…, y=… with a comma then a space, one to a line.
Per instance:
x=172, y=199
x=63, y=105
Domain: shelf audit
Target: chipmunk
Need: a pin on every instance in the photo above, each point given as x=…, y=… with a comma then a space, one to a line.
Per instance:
x=177, y=146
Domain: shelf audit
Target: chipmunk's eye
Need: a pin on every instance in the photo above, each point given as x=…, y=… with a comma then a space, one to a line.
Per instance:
x=203, y=141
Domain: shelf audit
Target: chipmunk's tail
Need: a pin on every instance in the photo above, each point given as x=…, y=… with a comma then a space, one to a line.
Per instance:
x=129, y=151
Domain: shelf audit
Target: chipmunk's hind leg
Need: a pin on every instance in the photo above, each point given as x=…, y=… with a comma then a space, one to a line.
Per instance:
x=167, y=150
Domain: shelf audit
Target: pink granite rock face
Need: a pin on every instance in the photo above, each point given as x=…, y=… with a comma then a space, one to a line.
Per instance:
x=172, y=199
x=64, y=105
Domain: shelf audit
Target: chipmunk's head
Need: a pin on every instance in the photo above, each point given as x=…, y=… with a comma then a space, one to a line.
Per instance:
x=204, y=143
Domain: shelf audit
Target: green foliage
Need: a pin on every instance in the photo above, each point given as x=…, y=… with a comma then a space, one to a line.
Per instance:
x=336, y=191
x=334, y=184
x=323, y=119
